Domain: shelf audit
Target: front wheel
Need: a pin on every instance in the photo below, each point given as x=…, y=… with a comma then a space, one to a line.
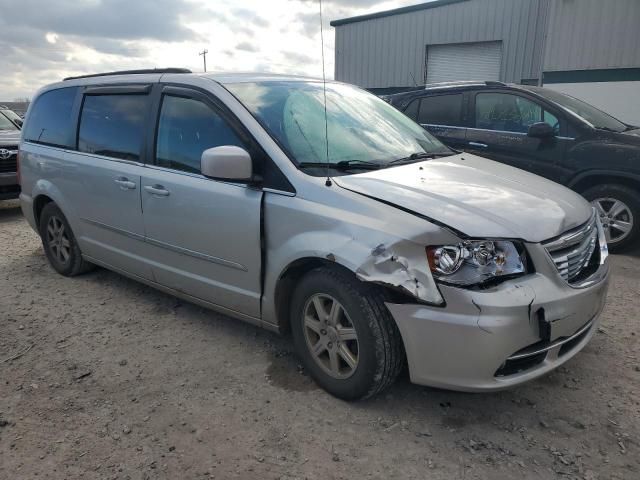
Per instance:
x=344, y=334
x=619, y=210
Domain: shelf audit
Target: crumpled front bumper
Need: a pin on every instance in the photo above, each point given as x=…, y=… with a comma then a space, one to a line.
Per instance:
x=485, y=340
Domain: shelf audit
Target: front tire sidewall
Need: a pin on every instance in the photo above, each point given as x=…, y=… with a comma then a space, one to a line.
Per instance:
x=362, y=380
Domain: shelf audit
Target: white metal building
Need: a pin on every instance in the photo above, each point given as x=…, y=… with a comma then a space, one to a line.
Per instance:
x=588, y=48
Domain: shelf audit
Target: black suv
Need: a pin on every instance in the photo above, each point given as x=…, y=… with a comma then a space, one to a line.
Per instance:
x=544, y=132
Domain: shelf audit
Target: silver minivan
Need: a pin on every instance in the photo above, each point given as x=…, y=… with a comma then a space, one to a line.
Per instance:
x=318, y=210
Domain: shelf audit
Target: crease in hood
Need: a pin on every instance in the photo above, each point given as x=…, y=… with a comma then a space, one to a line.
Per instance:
x=477, y=197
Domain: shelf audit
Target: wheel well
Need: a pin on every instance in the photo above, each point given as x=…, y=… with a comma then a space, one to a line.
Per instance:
x=594, y=180
x=38, y=205
x=288, y=281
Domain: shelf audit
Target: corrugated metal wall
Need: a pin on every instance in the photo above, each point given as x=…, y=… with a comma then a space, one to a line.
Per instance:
x=593, y=34
x=390, y=51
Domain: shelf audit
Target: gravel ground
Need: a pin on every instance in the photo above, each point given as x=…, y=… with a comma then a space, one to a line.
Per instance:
x=102, y=377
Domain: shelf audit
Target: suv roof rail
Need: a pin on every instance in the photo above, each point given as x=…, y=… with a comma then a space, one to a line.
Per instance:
x=495, y=83
x=132, y=72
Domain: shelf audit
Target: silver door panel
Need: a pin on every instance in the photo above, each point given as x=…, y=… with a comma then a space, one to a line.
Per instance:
x=203, y=237
x=106, y=198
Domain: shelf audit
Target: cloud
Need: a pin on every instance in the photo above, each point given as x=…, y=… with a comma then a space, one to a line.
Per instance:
x=247, y=47
x=115, y=19
x=43, y=41
x=244, y=14
x=299, y=58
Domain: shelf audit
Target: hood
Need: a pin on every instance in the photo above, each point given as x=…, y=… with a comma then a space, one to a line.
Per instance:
x=9, y=137
x=478, y=197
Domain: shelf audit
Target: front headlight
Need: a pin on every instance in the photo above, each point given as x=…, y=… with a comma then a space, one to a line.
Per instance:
x=476, y=261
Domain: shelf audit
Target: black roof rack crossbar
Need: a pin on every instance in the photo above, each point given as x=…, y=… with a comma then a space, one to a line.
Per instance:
x=133, y=72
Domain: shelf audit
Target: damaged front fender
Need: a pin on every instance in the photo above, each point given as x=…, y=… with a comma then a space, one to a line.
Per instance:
x=404, y=266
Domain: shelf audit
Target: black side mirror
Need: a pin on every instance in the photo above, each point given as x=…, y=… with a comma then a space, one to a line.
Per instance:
x=541, y=130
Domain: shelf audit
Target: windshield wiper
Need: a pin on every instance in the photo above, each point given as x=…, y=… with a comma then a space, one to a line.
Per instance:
x=343, y=165
x=414, y=157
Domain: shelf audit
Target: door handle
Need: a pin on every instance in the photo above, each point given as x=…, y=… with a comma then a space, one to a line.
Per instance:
x=157, y=190
x=125, y=183
x=478, y=144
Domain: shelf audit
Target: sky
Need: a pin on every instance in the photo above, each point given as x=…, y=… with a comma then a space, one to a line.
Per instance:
x=43, y=41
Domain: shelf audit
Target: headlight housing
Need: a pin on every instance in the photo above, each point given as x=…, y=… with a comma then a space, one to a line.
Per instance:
x=473, y=262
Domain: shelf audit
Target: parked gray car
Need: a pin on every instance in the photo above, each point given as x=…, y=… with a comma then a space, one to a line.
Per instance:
x=376, y=246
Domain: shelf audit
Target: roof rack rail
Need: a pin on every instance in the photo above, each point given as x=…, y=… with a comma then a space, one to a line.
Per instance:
x=132, y=72
x=495, y=83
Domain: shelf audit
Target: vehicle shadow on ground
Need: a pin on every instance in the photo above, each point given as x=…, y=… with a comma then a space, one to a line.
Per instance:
x=9, y=211
x=283, y=370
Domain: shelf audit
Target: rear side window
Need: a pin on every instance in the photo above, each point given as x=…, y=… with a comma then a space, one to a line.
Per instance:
x=50, y=121
x=187, y=128
x=441, y=110
x=113, y=125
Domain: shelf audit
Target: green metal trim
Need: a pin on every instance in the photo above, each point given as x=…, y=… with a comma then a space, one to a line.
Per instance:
x=395, y=11
x=585, y=76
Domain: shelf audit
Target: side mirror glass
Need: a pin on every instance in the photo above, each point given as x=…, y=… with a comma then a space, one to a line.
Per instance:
x=227, y=163
x=541, y=130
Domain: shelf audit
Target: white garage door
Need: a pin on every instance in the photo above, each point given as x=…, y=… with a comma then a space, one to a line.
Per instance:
x=464, y=61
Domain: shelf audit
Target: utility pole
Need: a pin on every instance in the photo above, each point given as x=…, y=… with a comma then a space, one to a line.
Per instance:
x=204, y=58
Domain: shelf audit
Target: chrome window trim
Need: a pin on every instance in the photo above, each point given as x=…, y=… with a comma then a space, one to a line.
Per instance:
x=279, y=192
x=559, y=137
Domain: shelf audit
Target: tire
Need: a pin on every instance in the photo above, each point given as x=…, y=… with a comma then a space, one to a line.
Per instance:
x=377, y=349
x=603, y=197
x=57, y=238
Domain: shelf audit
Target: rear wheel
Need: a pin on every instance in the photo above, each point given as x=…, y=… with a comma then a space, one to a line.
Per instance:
x=344, y=334
x=619, y=210
x=60, y=245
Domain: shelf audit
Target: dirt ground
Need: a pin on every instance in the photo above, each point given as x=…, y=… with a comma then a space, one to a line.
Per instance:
x=102, y=377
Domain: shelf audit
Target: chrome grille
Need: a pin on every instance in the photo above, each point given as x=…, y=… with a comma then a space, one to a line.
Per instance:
x=9, y=165
x=572, y=252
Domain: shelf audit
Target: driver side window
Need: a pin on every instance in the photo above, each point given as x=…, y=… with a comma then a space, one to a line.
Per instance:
x=188, y=127
x=510, y=113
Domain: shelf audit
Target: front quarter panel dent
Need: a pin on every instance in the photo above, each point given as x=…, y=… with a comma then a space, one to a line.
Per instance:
x=403, y=266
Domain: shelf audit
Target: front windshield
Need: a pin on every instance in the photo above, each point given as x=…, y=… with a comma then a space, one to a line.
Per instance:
x=591, y=114
x=11, y=115
x=361, y=127
x=6, y=124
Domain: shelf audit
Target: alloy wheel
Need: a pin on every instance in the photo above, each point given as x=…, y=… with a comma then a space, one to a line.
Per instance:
x=616, y=218
x=58, y=240
x=331, y=336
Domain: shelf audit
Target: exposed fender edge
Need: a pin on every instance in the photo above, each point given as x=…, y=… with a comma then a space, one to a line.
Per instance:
x=402, y=267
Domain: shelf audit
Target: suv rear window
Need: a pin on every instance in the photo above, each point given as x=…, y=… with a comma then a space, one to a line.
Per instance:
x=441, y=110
x=113, y=125
x=50, y=121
